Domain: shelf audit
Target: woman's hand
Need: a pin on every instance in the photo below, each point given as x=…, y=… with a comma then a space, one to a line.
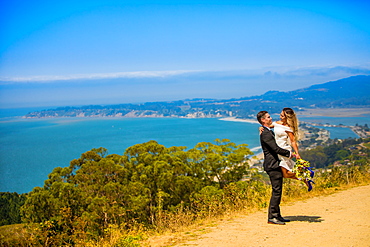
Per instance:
x=260, y=129
x=298, y=156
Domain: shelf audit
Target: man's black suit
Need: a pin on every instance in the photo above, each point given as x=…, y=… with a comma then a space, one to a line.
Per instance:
x=271, y=166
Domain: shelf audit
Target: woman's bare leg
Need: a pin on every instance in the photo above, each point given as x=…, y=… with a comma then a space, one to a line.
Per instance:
x=288, y=174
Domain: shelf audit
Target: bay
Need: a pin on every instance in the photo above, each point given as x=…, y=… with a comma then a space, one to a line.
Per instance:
x=349, y=121
x=31, y=148
x=338, y=132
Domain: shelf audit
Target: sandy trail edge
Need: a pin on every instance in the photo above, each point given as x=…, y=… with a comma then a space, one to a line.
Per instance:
x=340, y=219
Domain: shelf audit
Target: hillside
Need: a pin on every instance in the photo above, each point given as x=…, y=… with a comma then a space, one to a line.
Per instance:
x=351, y=92
x=348, y=92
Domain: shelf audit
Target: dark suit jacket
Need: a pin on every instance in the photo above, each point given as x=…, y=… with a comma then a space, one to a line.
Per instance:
x=271, y=150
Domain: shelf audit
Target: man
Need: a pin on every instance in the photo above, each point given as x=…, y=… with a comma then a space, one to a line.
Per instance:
x=272, y=168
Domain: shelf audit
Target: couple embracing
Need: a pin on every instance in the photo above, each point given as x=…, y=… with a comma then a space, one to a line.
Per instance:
x=277, y=149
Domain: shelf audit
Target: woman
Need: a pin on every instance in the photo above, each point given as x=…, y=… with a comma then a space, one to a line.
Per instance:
x=286, y=135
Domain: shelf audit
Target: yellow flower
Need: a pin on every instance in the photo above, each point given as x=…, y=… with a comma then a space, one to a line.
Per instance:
x=300, y=169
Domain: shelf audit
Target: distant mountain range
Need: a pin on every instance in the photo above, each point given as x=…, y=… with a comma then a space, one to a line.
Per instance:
x=351, y=92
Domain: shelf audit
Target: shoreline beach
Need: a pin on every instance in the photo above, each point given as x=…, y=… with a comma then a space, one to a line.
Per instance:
x=245, y=120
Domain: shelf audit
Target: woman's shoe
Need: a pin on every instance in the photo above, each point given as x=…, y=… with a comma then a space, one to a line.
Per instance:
x=309, y=184
x=312, y=173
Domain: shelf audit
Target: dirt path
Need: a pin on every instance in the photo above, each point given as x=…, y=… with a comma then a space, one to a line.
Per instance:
x=340, y=219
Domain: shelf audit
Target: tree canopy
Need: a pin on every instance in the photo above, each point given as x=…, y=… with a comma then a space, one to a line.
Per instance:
x=98, y=189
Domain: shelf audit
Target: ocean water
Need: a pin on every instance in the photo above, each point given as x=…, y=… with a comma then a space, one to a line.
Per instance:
x=31, y=148
x=336, y=132
x=349, y=121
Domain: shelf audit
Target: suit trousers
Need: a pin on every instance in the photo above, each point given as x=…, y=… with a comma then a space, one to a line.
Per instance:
x=276, y=178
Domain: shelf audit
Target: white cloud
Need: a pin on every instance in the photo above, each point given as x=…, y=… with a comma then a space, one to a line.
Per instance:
x=336, y=72
x=136, y=74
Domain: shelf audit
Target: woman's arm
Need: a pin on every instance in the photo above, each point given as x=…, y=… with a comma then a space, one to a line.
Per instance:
x=261, y=128
x=293, y=143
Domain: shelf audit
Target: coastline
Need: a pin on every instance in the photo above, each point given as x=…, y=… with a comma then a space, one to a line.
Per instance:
x=233, y=119
x=319, y=112
x=313, y=113
x=257, y=157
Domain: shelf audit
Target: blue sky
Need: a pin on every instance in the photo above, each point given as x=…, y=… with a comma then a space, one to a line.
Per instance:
x=55, y=53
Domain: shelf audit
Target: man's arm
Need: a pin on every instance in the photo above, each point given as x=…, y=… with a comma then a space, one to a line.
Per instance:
x=269, y=139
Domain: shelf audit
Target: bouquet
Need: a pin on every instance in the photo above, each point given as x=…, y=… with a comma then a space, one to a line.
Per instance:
x=302, y=169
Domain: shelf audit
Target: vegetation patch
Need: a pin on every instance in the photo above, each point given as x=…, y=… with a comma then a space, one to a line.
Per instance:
x=125, y=200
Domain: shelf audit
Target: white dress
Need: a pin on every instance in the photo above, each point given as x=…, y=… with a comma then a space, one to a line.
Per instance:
x=283, y=141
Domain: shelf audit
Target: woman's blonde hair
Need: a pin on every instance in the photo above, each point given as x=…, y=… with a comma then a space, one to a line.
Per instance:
x=292, y=121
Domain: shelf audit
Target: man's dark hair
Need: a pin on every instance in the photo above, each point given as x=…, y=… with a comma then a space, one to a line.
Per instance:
x=260, y=115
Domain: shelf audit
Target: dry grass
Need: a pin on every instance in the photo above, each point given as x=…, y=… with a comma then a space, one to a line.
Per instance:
x=184, y=225
x=293, y=191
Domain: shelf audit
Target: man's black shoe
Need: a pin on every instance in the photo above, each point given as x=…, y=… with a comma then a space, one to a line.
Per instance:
x=275, y=221
x=282, y=219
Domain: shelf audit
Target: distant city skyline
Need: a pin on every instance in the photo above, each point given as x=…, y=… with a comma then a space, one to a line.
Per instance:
x=104, y=52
